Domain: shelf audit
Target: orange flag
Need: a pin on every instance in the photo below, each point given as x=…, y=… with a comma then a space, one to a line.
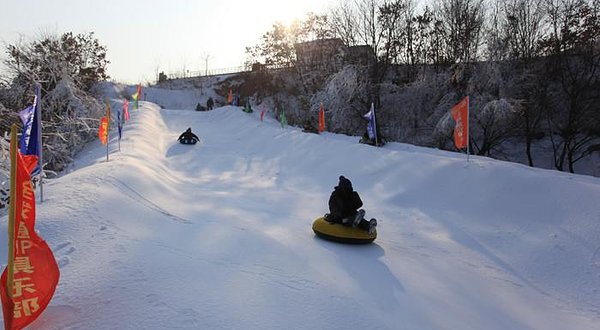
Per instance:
x=27, y=290
x=460, y=113
x=230, y=97
x=321, y=119
x=104, y=123
x=103, y=130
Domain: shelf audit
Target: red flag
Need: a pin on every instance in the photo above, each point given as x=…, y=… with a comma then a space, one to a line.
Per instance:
x=460, y=113
x=126, y=110
x=31, y=162
x=262, y=115
x=35, y=273
x=103, y=130
x=321, y=119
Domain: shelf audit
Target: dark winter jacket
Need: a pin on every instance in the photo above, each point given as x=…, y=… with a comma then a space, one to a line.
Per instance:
x=344, y=201
x=188, y=136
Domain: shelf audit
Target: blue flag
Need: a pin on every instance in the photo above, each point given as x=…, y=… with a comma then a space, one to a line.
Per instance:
x=31, y=138
x=119, y=123
x=371, y=128
x=26, y=115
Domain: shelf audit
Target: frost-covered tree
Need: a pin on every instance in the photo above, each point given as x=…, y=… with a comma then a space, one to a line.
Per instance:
x=48, y=60
x=74, y=122
x=4, y=173
x=492, y=126
x=492, y=123
x=66, y=67
x=573, y=64
x=345, y=99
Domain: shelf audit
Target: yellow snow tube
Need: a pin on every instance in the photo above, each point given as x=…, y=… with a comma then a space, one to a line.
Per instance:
x=340, y=233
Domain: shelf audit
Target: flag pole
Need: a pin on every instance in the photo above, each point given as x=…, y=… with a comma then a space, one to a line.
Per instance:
x=107, y=127
x=38, y=114
x=119, y=127
x=468, y=129
x=107, y=146
x=11, y=209
x=375, y=124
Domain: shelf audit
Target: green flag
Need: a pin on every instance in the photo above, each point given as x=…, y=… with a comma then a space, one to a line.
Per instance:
x=282, y=119
x=137, y=95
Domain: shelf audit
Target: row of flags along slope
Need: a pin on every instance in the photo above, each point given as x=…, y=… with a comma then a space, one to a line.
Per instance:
x=122, y=117
x=29, y=280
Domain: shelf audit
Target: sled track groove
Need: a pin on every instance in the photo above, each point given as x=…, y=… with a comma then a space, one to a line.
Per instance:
x=136, y=196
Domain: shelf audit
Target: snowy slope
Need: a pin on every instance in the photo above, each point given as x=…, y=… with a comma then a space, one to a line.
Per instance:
x=218, y=235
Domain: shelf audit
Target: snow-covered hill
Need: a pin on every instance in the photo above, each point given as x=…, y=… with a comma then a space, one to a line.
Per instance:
x=218, y=235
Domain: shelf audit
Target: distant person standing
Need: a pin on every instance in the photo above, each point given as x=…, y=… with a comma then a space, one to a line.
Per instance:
x=210, y=103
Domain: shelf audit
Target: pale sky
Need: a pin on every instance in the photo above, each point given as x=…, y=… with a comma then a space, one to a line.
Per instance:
x=145, y=36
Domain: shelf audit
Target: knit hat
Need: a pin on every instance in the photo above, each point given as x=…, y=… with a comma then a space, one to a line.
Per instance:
x=345, y=183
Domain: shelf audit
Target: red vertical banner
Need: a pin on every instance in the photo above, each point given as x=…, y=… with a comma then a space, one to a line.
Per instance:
x=126, y=110
x=103, y=130
x=230, y=97
x=106, y=124
x=321, y=118
x=460, y=113
x=28, y=282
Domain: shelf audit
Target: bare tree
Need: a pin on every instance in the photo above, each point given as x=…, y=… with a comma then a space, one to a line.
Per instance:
x=495, y=37
x=390, y=17
x=462, y=23
x=523, y=27
x=521, y=30
x=316, y=27
x=574, y=63
x=423, y=35
x=369, y=30
x=343, y=22
x=399, y=29
x=205, y=57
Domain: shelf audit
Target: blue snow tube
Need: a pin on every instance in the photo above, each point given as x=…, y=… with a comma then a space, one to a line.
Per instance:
x=339, y=233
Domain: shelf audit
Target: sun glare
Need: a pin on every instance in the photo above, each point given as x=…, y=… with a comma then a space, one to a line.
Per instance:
x=286, y=12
